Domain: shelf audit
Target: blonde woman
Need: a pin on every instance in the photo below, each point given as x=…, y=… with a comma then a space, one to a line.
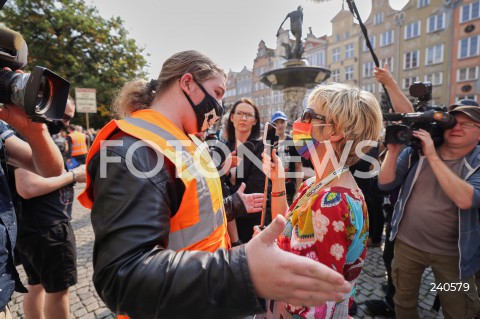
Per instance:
x=328, y=220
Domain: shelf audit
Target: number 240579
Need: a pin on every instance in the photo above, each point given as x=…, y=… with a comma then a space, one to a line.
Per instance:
x=450, y=286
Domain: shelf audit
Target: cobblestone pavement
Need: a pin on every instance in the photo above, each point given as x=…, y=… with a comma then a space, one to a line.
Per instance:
x=85, y=303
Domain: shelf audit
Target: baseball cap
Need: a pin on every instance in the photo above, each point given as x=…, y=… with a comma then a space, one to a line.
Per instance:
x=279, y=115
x=472, y=112
x=464, y=102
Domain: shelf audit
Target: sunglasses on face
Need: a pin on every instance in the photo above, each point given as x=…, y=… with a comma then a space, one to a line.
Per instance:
x=309, y=114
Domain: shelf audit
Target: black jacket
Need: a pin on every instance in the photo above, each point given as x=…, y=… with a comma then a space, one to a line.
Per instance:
x=134, y=272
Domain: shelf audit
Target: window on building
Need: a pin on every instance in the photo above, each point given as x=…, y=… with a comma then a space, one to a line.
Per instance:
x=436, y=23
x=347, y=35
x=380, y=88
x=321, y=58
x=336, y=55
x=369, y=87
x=386, y=38
x=470, y=97
x=434, y=54
x=423, y=3
x=469, y=47
x=378, y=18
x=409, y=81
x=317, y=59
x=470, y=11
x=388, y=61
x=335, y=75
x=436, y=78
x=348, y=73
x=349, y=51
x=337, y=37
x=411, y=59
x=372, y=42
x=467, y=74
x=368, y=69
x=412, y=30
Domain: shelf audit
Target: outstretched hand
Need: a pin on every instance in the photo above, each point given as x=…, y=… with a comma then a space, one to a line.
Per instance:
x=253, y=202
x=308, y=283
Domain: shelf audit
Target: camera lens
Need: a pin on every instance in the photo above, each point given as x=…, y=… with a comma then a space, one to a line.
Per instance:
x=12, y=87
x=44, y=96
x=402, y=136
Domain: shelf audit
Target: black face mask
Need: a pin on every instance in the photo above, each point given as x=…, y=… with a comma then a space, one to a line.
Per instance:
x=208, y=111
x=55, y=126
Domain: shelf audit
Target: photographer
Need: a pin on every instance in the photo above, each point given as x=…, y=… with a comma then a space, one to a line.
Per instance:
x=40, y=155
x=46, y=241
x=435, y=221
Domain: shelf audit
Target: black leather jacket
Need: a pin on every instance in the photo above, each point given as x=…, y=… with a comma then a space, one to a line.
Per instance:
x=134, y=272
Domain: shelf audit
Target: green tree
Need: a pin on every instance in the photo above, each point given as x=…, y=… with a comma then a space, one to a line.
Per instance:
x=73, y=40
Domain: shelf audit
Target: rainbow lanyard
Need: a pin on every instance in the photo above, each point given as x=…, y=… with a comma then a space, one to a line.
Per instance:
x=316, y=187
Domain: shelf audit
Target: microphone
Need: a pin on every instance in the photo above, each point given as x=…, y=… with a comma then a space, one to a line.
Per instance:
x=13, y=49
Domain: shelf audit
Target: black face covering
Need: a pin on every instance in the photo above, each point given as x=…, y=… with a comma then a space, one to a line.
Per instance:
x=208, y=111
x=55, y=126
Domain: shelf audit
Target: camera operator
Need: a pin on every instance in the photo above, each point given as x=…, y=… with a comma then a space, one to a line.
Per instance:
x=435, y=220
x=38, y=154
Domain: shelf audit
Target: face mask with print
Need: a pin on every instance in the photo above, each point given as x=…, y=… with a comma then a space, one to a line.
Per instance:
x=303, y=140
x=207, y=112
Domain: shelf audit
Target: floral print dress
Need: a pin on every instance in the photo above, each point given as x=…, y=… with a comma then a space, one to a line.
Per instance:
x=330, y=227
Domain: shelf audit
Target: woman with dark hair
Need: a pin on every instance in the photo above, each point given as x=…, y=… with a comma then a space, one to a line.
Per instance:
x=245, y=164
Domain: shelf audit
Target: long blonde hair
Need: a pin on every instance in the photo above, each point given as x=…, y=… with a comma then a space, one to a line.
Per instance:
x=139, y=94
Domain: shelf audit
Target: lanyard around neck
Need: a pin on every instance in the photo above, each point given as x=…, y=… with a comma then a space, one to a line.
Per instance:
x=310, y=192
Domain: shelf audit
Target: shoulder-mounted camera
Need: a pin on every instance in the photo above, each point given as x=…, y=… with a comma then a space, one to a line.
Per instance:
x=431, y=118
x=42, y=94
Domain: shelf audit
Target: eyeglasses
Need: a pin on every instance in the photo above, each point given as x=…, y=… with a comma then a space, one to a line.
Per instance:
x=248, y=116
x=309, y=114
x=467, y=125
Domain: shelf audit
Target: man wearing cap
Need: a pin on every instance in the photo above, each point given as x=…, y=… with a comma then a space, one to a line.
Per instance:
x=436, y=219
x=464, y=102
x=289, y=156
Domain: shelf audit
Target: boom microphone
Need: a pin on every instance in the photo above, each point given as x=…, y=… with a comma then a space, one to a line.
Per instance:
x=13, y=49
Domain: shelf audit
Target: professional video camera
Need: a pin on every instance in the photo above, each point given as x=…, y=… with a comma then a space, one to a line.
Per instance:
x=433, y=119
x=41, y=94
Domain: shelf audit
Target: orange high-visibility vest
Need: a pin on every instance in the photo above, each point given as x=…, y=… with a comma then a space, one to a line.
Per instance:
x=200, y=222
x=79, y=143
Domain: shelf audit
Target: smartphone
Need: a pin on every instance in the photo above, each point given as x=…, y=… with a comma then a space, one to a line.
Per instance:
x=270, y=137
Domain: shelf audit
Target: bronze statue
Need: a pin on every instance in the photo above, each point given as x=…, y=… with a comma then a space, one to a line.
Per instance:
x=296, y=21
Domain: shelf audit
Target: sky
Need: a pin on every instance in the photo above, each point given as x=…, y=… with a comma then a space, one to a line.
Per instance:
x=228, y=31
